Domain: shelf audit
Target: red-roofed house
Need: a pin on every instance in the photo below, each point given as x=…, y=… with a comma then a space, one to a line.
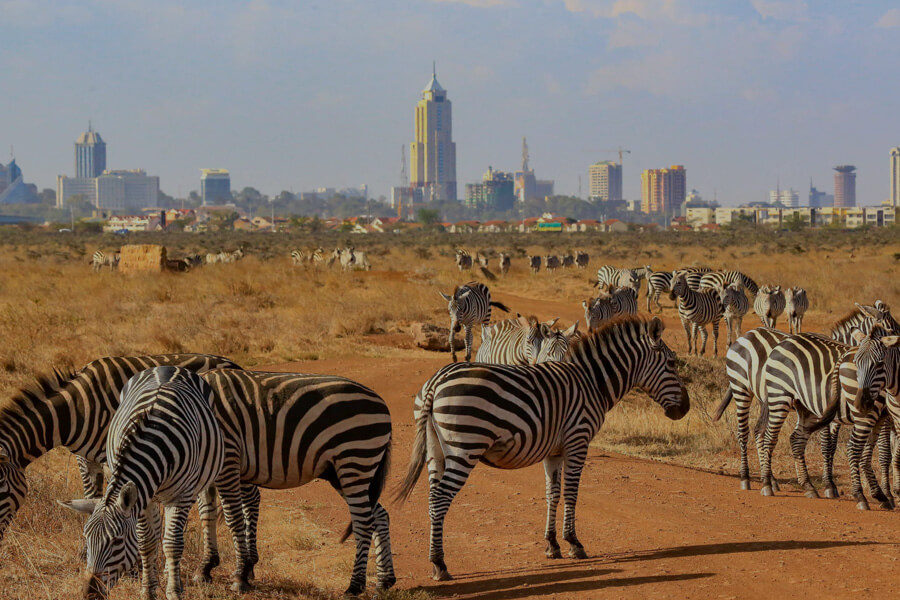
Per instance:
x=614, y=226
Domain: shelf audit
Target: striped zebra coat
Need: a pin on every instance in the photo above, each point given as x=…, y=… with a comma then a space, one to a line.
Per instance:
x=556, y=343
x=864, y=318
x=613, y=276
x=696, y=310
x=512, y=341
x=694, y=275
x=469, y=305
x=72, y=410
x=505, y=263
x=769, y=304
x=795, y=305
x=721, y=279
x=165, y=446
x=513, y=417
x=100, y=259
x=598, y=311
x=735, y=305
x=463, y=260
x=658, y=283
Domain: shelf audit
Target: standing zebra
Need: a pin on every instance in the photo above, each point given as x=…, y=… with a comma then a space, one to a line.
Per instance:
x=717, y=279
x=298, y=257
x=463, y=260
x=795, y=304
x=345, y=257
x=361, y=261
x=614, y=276
x=556, y=343
x=769, y=304
x=551, y=263
x=512, y=341
x=864, y=318
x=567, y=261
x=73, y=410
x=469, y=305
x=290, y=429
x=582, y=259
x=598, y=311
x=534, y=263
x=513, y=417
x=657, y=284
x=693, y=275
x=164, y=446
x=696, y=310
x=505, y=263
x=101, y=259
x=735, y=306
x=640, y=274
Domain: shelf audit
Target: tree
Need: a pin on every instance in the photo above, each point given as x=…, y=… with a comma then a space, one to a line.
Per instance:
x=428, y=216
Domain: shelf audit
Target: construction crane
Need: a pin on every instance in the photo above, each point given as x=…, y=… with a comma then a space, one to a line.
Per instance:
x=620, y=151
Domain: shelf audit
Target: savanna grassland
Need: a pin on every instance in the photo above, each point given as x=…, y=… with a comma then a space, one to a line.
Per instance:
x=261, y=311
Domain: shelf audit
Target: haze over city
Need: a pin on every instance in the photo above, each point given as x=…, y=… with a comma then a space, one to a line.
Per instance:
x=744, y=94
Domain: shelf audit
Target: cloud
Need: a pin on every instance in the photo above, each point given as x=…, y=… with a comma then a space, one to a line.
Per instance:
x=677, y=11
x=782, y=10
x=889, y=19
x=480, y=3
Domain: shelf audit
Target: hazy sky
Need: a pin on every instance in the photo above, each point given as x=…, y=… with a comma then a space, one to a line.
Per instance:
x=294, y=95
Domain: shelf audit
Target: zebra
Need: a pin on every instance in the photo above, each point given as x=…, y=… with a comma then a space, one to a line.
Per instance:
x=598, y=311
x=193, y=260
x=505, y=263
x=512, y=341
x=696, y=310
x=361, y=261
x=298, y=257
x=582, y=259
x=469, y=305
x=551, y=263
x=292, y=428
x=864, y=318
x=717, y=279
x=694, y=275
x=640, y=274
x=657, y=284
x=614, y=276
x=73, y=409
x=213, y=258
x=482, y=259
x=556, y=343
x=795, y=304
x=346, y=257
x=769, y=304
x=735, y=305
x=515, y=416
x=567, y=261
x=534, y=263
x=624, y=300
x=101, y=259
x=463, y=260
x=165, y=446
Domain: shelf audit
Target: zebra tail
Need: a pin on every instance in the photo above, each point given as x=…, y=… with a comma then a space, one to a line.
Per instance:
x=501, y=306
x=419, y=450
x=487, y=274
x=375, y=487
x=834, y=402
x=723, y=405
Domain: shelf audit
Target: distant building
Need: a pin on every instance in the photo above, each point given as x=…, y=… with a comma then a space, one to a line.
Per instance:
x=663, y=190
x=117, y=190
x=90, y=154
x=215, y=186
x=13, y=189
x=433, y=153
x=895, y=177
x=844, y=186
x=406, y=200
x=605, y=181
x=526, y=185
x=788, y=198
x=818, y=199
x=495, y=192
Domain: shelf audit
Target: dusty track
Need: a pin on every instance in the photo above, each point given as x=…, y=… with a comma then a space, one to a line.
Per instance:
x=651, y=529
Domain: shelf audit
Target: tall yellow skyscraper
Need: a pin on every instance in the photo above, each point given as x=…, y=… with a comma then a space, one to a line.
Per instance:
x=663, y=190
x=433, y=154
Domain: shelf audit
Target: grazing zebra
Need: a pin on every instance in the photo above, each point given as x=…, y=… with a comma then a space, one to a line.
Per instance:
x=567, y=261
x=512, y=341
x=697, y=309
x=290, y=429
x=482, y=260
x=582, y=259
x=864, y=318
x=551, y=263
x=795, y=304
x=469, y=305
x=556, y=343
x=164, y=446
x=616, y=277
x=505, y=263
x=73, y=410
x=657, y=284
x=640, y=274
x=361, y=261
x=720, y=279
x=769, y=304
x=624, y=300
x=513, y=417
x=735, y=305
x=298, y=257
x=534, y=263
x=101, y=259
x=463, y=260
x=212, y=258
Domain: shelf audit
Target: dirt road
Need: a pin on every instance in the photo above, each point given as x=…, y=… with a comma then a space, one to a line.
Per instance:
x=651, y=530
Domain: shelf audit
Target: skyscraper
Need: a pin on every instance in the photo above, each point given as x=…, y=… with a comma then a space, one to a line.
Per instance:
x=527, y=185
x=90, y=154
x=844, y=186
x=819, y=199
x=787, y=198
x=432, y=155
x=605, y=181
x=215, y=186
x=895, y=176
x=663, y=190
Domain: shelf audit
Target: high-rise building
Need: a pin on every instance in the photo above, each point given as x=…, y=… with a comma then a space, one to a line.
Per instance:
x=13, y=189
x=895, y=176
x=787, y=198
x=526, y=184
x=605, y=181
x=90, y=154
x=663, y=190
x=495, y=192
x=844, y=186
x=215, y=186
x=432, y=156
x=130, y=189
x=819, y=199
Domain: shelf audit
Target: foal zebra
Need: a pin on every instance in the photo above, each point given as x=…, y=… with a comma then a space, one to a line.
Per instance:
x=164, y=446
x=696, y=310
x=735, y=305
x=101, y=259
x=657, y=284
x=795, y=304
x=469, y=305
x=768, y=305
x=513, y=417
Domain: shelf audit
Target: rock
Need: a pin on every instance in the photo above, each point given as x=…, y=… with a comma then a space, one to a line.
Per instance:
x=434, y=338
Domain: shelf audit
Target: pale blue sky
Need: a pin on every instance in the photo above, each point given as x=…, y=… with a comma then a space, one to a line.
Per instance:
x=302, y=94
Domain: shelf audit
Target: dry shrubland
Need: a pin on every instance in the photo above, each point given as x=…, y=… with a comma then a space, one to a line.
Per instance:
x=261, y=311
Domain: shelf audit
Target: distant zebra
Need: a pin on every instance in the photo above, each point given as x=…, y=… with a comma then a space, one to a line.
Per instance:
x=556, y=343
x=482, y=259
x=598, y=311
x=74, y=410
x=193, y=260
x=614, y=276
x=505, y=263
x=567, y=261
x=512, y=341
x=101, y=259
x=534, y=263
x=864, y=318
x=469, y=305
x=513, y=417
x=769, y=304
x=735, y=305
x=658, y=283
x=696, y=310
x=721, y=279
x=551, y=263
x=298, y=257
x=212, y=258
x=463, y=260
x=582, y=259
x=165, y=446
x=795, y=304
x=345, y=257
x=361, y=261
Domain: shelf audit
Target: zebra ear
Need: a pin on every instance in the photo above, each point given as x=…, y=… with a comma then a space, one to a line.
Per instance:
x=571, y=330
x=551, y=323
x=445, y=296
x=655, y=329
x=523, y=320
x=84, y=506
x=127, y=497
x=857, y=335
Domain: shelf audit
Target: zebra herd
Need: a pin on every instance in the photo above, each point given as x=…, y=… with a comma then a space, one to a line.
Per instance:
x=111, y=260
x=348, y=258
x=465, y=261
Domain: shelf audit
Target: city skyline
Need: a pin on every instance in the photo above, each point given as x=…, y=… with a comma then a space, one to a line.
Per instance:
x=284, y=115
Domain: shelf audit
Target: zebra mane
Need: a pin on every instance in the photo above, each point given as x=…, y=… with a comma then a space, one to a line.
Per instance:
x=853, y=317
x=630, y=323
x=43, y=386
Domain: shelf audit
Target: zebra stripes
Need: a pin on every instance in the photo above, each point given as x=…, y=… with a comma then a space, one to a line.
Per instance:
x=769, y=304
x=735, y=305
x=551, y=263
x=864, y=318
x=613, y=276
x=556, y=343
x=657, y=283
x=610, y=303
x=513, y=417
x=582, y=259
x=795, y=304
x=312, y=257
x=512, y=341
x=463, y=260
x=717, y=279
x=100, y=259
x=697, y=310
x=225, y=257
x=164, y=445
x=469, y=305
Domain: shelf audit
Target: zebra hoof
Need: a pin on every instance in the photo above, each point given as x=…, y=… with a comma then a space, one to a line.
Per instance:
x=745, y=484
x=577, y=552
x=887, y=505
x=240, y=587
x=553, y=552
x=812, y=494
x=202, y=578
x=385, y=583
x=862, y=505
x=440, y=574
x=767, y=490
x=831, y=492
x=775, y=485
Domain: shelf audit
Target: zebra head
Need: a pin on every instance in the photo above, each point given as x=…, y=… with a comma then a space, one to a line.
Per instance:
x=556, y=344
x=111, y=537
x=534, y=335
x=679, y=285
x=870, y=360
x=657, y=374
x=881, y=314
x=728, y=294
x=13, y=487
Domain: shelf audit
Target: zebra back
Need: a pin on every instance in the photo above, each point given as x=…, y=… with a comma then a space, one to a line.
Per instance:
x=864, y=318
x=715, y=279
x=511, y=342
x=769, y=302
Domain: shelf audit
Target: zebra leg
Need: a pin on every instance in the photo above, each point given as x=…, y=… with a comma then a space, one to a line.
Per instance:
x=656, y=295
x=778, y=412
x=173, y=546
x=854, y=450
x=361, y=521
x=799, y=439
x=705, y=336
x=552, y=471
x=384, y=558
x=828, y=440
x=148, y=530
x=742, y=401
x=572, y=473
x=229, y=487
x=250, y=502
x=882, y=495
x=688, y=330
x=884, y=457
x=440, y=496
x=207, y=508
x=454, y=327
x=468, y=343
x=715, y=328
